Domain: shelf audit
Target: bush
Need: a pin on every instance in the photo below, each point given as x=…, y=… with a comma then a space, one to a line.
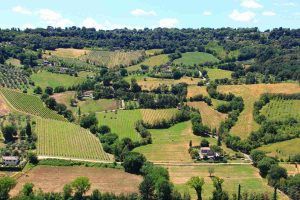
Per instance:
x=32, y=158
x=133, y=162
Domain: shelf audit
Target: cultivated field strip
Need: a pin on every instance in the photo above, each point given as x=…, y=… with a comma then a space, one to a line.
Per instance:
x=64, y=139
x=29, y=104
x=151, y=116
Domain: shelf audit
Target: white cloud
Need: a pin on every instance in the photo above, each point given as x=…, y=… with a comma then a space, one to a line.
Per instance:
x=141, y=12
x=269, y=13
x=53, y=18
x=242, y=16
x=168, y=22
x=207, y=13
x=107, y=25
x=251, y=4
x=21, y=10
x=27, y=25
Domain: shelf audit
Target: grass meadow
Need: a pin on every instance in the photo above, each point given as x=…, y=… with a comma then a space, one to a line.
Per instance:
x=192, y=58
x=151, y=116
x=151, y=62
x=214, y=73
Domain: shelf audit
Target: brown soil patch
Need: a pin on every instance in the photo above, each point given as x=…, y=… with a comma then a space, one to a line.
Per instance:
x=53, y=179
x=4, y=108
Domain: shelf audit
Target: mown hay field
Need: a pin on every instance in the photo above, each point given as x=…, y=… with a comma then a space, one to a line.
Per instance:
x=282, y=150
x=151, y=62
x=250, y=94
x=246, y=175
x=194, y=90
x=29, y=104
x=151, y=116
x=280, y=109
x=45, y=78
x=53, y=179
x=67, y=52
x=192, y=58
x=113, y=58
x=67, y=140
x=210, y=117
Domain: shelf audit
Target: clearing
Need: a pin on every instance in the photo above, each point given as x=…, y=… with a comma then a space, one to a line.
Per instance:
x=45, y=78
x=246, y=175
x=151, y=62
x=282, y=150
x=210, y=117
x=214, y=73
x=250, y=94
x=198, y=58
x=53, y=179
x=64, y=139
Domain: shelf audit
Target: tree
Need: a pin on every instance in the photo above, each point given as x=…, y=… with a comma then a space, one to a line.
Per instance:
x=257, y=155
x=211, y=170
x=147, y=188
x=133, y=162
x=88, y=121
x=197, y=183
x=9, y=132
x=51, y=103
x=275, y=174
x=38, y=90
x=218, y=193
x=264, y=165
x=80, y=186
x=49, y=90
x=164, y=189
x=204, y=143
x=67, y=191
x=27, y=189
x=28, y=129
x=6, y=184
x=104, y=129
x=32, y=158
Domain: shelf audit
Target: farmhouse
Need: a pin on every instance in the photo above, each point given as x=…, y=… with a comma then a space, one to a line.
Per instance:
x=206, y=152
x=10, y=160
x=88, y=94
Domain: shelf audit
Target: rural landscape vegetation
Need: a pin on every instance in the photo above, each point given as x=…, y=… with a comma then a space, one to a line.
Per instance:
x=162, y=113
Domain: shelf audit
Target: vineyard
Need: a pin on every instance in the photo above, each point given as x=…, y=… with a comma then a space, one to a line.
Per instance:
x=151, y=62
x=121, y=122
x=113, y=58
x=152, y=116
x=13, y=77
x=73, y=63
x=29, y=104
x=282, y=109
x=64, y=139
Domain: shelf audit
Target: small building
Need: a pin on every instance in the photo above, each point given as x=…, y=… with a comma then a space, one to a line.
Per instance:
x=88, y=94
x=206, y=152
x=10, y=160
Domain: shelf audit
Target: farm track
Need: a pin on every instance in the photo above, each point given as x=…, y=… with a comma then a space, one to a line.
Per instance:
x=76, y=159
x=197, y=164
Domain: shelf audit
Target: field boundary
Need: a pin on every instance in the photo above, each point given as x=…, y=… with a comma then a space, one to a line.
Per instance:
x=42, y=157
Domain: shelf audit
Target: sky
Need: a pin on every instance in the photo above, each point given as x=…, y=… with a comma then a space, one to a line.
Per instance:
x=112, y=14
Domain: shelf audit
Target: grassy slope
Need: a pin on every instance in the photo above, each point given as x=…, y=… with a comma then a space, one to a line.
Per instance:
x=44, y=79
x=250, y=94
x=191, y=58
x=282, y=109
x=246, y=175
x=283, y=149
x=121, y=123
x=214, y=73
x=68, y=52
x=151, y=62
x=151, y=116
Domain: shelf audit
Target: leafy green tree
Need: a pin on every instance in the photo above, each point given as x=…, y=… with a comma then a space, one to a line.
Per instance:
x=218, y=193
x=164, y=190
x=204, y=143
x=104, y=129
x=9, y=132
x=197, y=183
x=80, y=186
x=133, y=162
x=264, y=165
x=67, y=191
x=28, y=129
x=275, y=174
x=6, y=184
x=38, y=90
x=88, y=121
x=211, y=170
x=147, y=188
x=32, y=158
x=49, y=90
x=257, y=155
x=27, y=189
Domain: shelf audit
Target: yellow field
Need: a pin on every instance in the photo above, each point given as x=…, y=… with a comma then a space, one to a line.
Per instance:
x=195, y=90
x=250, y=94
x=67, y=52
x=210, y=117
x=151, y=116
x=152, y=52
x=152, y=83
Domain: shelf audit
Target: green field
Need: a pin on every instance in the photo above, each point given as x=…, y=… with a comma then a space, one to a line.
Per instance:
x=113, y=58
x=220, y=50
x=151, y=116
x=192, y=58
x=246, y=175
x=45, y=78
x=29, y=104
x=64, y=139
x=282, y=149
x=214, y=73
x=151, y=62
x=121, y=122
x=90, y=105
x=152, y=52
x=279, y=109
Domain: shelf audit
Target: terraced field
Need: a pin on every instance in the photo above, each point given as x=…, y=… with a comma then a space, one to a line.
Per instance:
x=29, y=104
x=210, y=117
x=282, y=109
x=151, y=116
x=112, y=58
x=64, y=139
x=198, y=58
x=251, y=93
x=121, y=122
x=151, y=62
